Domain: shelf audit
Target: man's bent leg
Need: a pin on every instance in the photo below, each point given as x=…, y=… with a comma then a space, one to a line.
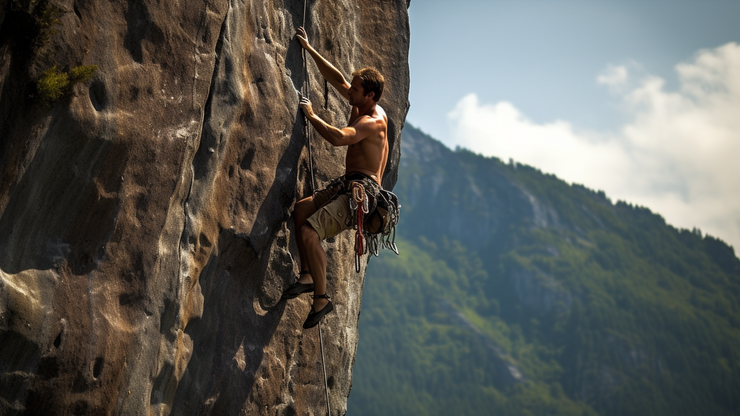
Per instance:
x=316, y=258
x=303, y=209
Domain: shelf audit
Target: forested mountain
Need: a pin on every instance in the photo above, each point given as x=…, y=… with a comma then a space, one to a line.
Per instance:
x=518, y=294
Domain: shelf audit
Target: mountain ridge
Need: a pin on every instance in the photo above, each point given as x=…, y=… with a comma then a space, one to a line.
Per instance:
x=604, y=307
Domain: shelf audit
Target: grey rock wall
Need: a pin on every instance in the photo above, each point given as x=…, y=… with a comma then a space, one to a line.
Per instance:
x=145, y=229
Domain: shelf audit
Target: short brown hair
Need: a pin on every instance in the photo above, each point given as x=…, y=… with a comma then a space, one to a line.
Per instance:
x=372, y=81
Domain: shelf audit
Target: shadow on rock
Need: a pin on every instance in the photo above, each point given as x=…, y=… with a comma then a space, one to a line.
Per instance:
x=229, y=339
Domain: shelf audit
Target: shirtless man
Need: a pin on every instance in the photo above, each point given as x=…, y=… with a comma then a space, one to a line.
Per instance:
x=325, y=214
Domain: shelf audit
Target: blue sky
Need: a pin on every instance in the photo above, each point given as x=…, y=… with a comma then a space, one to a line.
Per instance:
x=636, y=98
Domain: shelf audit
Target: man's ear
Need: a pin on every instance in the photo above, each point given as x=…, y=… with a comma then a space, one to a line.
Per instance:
x=370, y=95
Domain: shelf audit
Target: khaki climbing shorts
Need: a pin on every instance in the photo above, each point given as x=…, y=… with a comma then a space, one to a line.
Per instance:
x=332, y=216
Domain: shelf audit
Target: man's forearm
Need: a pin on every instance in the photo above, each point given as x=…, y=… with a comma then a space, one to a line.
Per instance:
x=330, y=133
x=328, y=71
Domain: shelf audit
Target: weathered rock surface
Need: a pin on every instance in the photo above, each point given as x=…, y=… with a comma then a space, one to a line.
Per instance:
x=145, y=229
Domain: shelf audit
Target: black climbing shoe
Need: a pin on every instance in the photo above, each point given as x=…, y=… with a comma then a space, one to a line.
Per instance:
x=298, y=288
x=314, y=317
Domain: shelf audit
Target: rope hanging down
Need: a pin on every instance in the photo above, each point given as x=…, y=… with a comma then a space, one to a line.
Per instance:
x=323, y=366
x=306, y=89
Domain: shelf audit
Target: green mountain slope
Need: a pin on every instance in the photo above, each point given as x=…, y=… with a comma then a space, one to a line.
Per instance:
x=518, y=294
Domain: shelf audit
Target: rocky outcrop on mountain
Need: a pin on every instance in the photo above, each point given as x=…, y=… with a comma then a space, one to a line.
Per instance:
x=485, y=204
x=507, y=372
x=537, y=290
x=145, y=229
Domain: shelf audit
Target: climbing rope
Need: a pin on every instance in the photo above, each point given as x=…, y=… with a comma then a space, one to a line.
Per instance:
x=323, y=365
x=359, y=203
x=305, y=91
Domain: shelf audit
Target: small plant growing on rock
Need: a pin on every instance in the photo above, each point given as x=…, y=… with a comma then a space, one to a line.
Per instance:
x=81, y=74
x=54, y=85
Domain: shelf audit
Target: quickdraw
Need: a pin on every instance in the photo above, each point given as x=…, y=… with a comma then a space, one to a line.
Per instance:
x=386, y=238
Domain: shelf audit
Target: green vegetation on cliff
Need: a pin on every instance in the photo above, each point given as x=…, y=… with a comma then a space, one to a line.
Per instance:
x=54, y=85
x=518, y=294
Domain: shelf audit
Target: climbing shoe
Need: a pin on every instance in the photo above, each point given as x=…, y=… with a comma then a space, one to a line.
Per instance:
x=314, y=317
x=298, y=288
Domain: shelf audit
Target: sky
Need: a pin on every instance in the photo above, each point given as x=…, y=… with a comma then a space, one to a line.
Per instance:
x=640, y=99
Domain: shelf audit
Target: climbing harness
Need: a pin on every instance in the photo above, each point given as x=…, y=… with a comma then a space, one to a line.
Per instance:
x=375, y=214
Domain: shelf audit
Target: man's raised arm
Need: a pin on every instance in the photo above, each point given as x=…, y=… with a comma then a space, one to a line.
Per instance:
x=332, y=74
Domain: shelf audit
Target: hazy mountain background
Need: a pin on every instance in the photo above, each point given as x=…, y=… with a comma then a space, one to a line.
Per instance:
x=518, y=294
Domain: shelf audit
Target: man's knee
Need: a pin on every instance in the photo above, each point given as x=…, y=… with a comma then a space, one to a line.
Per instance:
x=308, y=234
x=303, y=209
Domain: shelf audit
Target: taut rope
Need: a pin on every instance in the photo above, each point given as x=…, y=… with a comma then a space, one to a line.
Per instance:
x=323, y=366
x=306, y=91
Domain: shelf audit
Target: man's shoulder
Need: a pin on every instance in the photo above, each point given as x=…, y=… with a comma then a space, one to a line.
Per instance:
x=381, y=116
x=378, y=117
x=380, y=110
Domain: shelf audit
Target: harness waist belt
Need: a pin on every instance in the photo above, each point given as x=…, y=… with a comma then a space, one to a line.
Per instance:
x=358, y=176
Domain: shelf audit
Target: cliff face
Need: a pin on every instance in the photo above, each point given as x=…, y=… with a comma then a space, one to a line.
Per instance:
x=145, y=229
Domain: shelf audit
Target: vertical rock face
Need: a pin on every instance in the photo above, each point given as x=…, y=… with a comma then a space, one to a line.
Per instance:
x=145, y=229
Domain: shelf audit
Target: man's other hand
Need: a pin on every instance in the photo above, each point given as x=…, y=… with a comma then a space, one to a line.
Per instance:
x=302, y=37
x=306, y=107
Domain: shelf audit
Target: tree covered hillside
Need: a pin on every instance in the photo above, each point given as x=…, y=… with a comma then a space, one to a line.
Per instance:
x=518, y=294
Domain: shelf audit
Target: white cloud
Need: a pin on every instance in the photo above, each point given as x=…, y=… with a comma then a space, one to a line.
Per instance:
x=613, y=76
x=678, y=155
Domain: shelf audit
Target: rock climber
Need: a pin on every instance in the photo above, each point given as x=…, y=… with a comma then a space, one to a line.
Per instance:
x=327, y=212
